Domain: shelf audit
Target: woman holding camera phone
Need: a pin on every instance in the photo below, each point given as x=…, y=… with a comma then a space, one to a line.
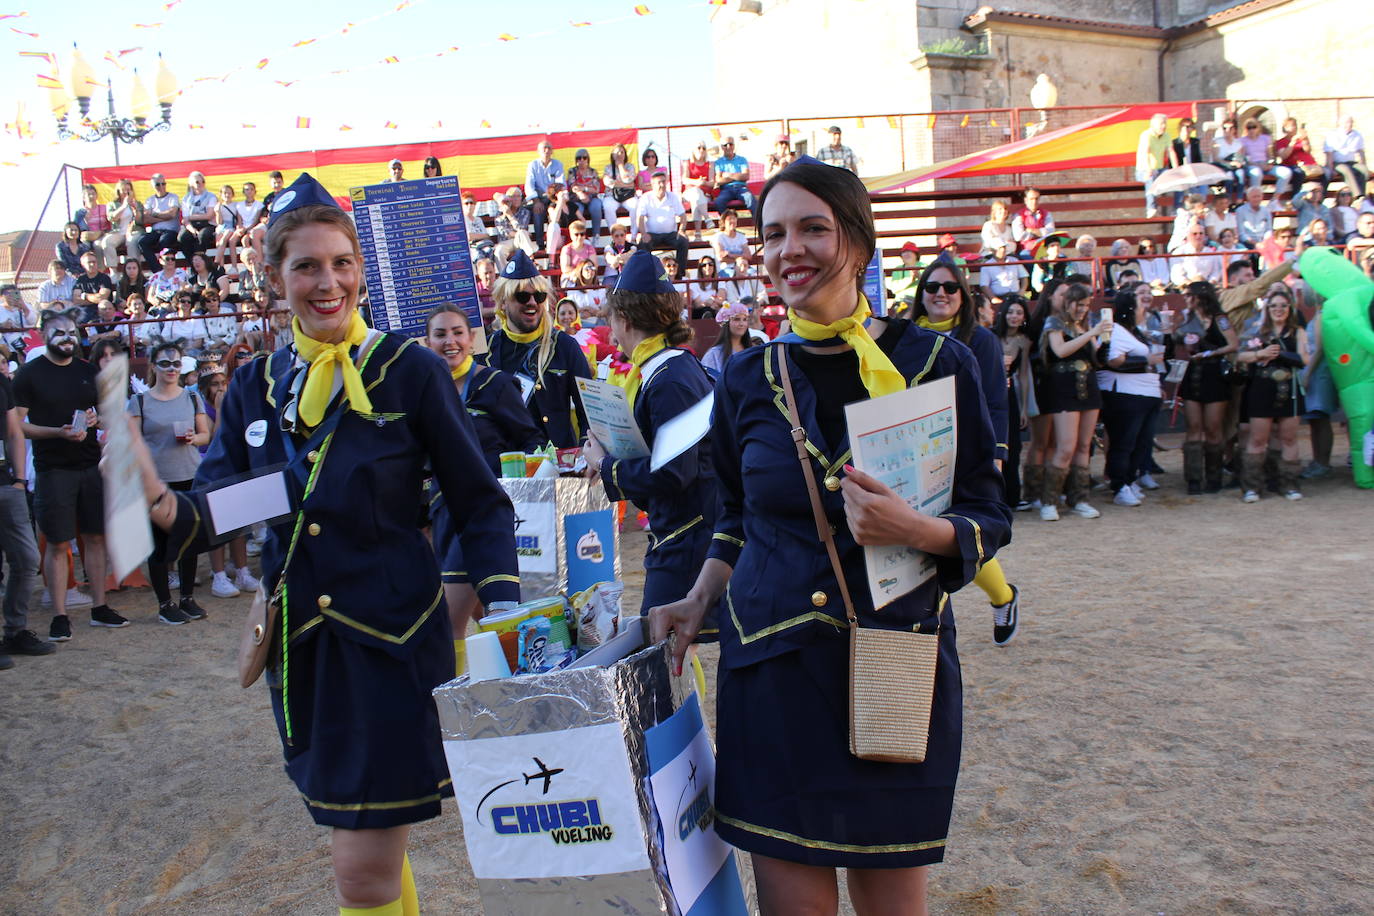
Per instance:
x=1277, y=355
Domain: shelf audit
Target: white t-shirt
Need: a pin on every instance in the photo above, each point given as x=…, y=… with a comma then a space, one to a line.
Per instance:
x=1141, y=383
x=660, y=215
x=248, y=213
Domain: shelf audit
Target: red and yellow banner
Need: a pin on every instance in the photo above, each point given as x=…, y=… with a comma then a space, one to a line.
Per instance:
x=483, y=166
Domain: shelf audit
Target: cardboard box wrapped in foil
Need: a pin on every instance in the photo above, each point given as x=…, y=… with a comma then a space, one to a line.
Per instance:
x=541, y=505
x=550, y=773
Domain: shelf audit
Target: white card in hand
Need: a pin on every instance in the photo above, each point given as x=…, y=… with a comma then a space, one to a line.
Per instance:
x=682, y=432
x=239, y=505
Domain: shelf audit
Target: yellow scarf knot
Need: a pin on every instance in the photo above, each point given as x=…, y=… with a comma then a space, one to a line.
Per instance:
x=642, y=354
x=523, y=337
x=319, y=379
x=942, y=326
x=463, y=368
x=876, y=370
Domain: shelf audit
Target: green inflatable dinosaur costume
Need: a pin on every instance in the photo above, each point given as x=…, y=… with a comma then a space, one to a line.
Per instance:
x=1348, y=341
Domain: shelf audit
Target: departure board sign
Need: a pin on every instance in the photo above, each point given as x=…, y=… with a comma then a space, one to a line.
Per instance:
x=415, y=248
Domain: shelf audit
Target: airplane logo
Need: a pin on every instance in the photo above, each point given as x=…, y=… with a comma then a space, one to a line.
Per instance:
x=544, y=773
x=693, y=777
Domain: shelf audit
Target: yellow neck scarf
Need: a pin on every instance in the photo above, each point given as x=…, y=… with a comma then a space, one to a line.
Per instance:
x=645, y=349
x=319, y=378
x=946, y=325
x=525, y=338
x=879, y=376
x=463, y=368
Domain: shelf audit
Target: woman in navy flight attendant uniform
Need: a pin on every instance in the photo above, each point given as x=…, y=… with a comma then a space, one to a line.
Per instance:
x=787, y=789
x=544, y=360
x=355, y=415
x=502, y=423
x=645, y=314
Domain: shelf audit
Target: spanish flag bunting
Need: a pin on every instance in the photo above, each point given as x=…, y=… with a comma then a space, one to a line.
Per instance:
x=302, y=122
x=18, y=15
x=578, y=25
x=27, y=153
x=642, y=10
x=390, y=125
x=22, y=32
x=391, y=60
x=147, y=25
x=402, y=5
x=247, y=126
x=437, y=125
x=348, y=27
x=344, y=127
x=112, y=58
x=48, y=82
x=196, y=126
x=506, y=36
x=930, y=122
x=204, y=79
x=486, y=123
x=43, y=54
x=992, y=122
x=581, y=125
x=260, y=64
x=13, y=165
x=717, y=2
x=286, y=84
x=892, y=122
x=715, y=133
x=859, y=123
x=447, y=51
x=963, y=122
x=171, y=3
x=304, y=42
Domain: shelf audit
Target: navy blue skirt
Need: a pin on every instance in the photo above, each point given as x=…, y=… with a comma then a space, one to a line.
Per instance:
x=671, y=570
x=365, y=750
x=787, y=786
x=447, y=548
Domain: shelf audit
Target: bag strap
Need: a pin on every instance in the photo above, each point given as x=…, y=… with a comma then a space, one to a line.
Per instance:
x=822, y=526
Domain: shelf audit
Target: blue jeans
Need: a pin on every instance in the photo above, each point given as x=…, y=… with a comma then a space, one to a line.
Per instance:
x=1130, y=422
x=156, y=240
x=1283, y=176
x=594, y=211
x=1147, y=177
x=735, y=190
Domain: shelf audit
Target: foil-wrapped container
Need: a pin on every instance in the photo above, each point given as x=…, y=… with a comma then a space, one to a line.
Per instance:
x=541, y=504
x=551, y=775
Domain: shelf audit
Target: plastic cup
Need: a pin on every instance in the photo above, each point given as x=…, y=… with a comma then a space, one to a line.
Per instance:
x=532, y=463
x=512, y=464
x=486, y=658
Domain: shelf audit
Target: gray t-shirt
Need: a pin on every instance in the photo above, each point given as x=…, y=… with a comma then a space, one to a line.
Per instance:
x=175, y=461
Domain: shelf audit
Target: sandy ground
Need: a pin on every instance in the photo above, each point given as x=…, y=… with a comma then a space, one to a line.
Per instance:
x=1183, y=725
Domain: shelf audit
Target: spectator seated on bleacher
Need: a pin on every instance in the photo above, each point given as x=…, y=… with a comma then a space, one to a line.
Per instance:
x=162, y=221
x=1086, y=247
x=70, y=249
x=1001, y=275
x=1192, y=260
x=1153, y=270
x=616, y=253
x=1119, y=262
x=1052, y=265
x=708, y=295
x=583, y=275
x=250, y=212
x=512, y=225
x=997, y=230
x=644, y=180
x=1254, y=218
x=1318, y=234
x=198, y=210
x=97, y=229
x=1258, y=146
x=15, y=315
x=539, y=175
x=480, y=240
x=56, y=291
x=619, y=179
x=484, y=272
x=903, y=283
x=676, y=273
x=729, y=243
x=93, y=286
x=586, y=188
x=731, y=174
x=227, y=229
x=1229, y=248
x=1362, y=242
x=949, y=245
x=1311, y=204
x=1294, y=150
x=1344, y=215
x=660, y=219
x=1230, y=157
x=1030, y=224
x=781, y=157
x=697, y=187
x=1345, y=156
x=744, y=284
x=1194, y=209
x=1280, y=245
x=1219, y=217
x=578, y=250
x=204, y=273
x=836, y=153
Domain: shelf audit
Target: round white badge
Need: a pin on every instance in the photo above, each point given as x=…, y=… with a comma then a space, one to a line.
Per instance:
x=284, y=201
x=256, y=433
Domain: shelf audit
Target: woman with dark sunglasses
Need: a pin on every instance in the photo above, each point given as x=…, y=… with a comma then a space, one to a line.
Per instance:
x=432, y=168
x=697, y=188
x=946, y=305
x=174, y=424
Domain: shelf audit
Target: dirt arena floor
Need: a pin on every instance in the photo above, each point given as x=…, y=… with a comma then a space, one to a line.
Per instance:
x=1183, y=725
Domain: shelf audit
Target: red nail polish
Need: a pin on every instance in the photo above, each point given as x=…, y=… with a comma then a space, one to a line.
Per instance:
x=849, y=468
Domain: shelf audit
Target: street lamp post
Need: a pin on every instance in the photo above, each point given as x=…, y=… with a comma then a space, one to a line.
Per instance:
x=81, y=80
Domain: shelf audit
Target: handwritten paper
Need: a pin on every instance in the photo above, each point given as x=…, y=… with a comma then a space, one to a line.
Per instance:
x=907, y=441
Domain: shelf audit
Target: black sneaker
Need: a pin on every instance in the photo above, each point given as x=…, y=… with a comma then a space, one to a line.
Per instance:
x=103, y=616
x=6, y=662
x=1005, y=618
x=170, y=614
x=25, y=642
x=60, y=630
x=192, y=610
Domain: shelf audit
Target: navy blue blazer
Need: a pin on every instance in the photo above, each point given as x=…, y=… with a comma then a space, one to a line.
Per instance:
x=554, y=404
x=499, y=416
x=358, y=563
x=681, y=495
x=992, y=372
x=783, y=594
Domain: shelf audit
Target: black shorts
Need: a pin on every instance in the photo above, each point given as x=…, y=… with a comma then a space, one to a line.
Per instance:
x=68, y=502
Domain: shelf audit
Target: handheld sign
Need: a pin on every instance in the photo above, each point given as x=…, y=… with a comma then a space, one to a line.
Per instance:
x=610, y=419
x=415, y=249
x=874, y=290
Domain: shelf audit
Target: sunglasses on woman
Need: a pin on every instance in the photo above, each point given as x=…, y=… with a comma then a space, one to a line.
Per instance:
x=949, y=286
x=524, y=296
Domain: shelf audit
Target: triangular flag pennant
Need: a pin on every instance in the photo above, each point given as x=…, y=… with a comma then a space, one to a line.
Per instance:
x=506, y=36
x=390, y=125
x=48, y=82
x=449, y=50
x=486, y=123
x=19, y=15
x=717, y=2
x=22, y=32
x=992, y=122
x=249, y=126
x=930, y=122
x=196, y=126
x=260, y=64
x=578, y=25
x=286, y=84
x=43, y=54
x=344, y=127
x=302, y=122
x=963, y=122
x=391, y=60
x=715, y=133
x=642, y=10
x=170, y=3
x=147, y=25
x=892, y=122
x=859, y=123
x=306, y=41
x=437, y=124
x=114, y=59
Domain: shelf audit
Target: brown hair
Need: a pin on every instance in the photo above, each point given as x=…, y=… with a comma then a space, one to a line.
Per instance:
x=653, y=313
x=847, y=198
x=274, y=247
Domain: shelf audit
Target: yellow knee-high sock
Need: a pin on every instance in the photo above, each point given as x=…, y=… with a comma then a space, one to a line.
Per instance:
x=992, y=580
x=410, y=902
x=386, y=909
x=460, y=657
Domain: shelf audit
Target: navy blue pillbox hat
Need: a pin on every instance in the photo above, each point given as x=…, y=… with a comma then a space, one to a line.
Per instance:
x=305, y=191
x=644, y=273
x=519, y=267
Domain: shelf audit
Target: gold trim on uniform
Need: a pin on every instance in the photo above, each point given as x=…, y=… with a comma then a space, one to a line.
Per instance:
x=386, y=637
x=977, y=535
x=659, y=542
x=379, y=806
x=728, y=538
x=746, y=638
x=499, y=577
x=822, y=844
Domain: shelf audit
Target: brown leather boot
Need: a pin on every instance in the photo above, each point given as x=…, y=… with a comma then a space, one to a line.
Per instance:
x=1032, y=481
x=1052, y=486
x=1192, y=467
x=1272, y=459
x=1251, y=476
x=1211, y=461
x=1080, y=482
